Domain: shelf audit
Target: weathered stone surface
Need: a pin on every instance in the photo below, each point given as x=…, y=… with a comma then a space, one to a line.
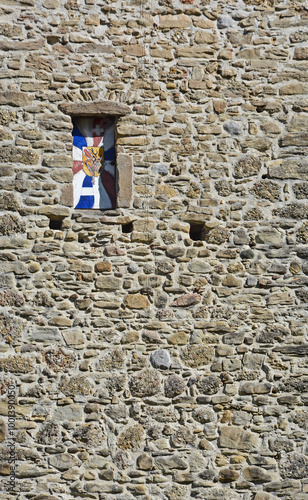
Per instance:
x=255, y=388
x=269, y=236
x=209, y=384
x=108, y=283
x=187, y=300
x=18, y=155
x=267, y=190
x=174, y=386
x=201, y=269
x=2, y=431
x=160, y=359
x=11, y=98
x=97, y=108
x=233, y=128
x=293, y=211
x=54, y=212
x=136, y=301
x=76, y=386
x=144, y=462
x=236, y=438
x=112, y=360
x=247, y=166
x=256, y=475
x=228, y=475
x=197, y=355
x=112, y=250
x=63, y=461
x=145, y=383
x=16, y=364
x=199, y=266
x=297, y=350
x=218, y=235
x=294, y=466
x=67, y=413
x=131, y=439
x=171, y=462
x=290, y=168
x=125, y=180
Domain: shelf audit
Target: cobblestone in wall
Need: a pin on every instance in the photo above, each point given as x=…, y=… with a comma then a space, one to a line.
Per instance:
x=160, y=349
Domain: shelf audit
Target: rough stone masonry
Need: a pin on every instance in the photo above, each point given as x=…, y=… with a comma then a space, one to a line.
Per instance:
x=159, y=350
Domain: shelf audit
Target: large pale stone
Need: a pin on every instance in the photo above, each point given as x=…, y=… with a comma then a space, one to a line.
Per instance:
x=236, y=438
x=269, y=236
x=125, y=180
x=171, y=462
x=108, y=283
x=150, y=280
x=289, y=168
x=199, y=266
x=171, y=21
x=187, y=300
x=55, y=212
x=63, y=461
x=14, y=98
x=12, y=154
x=68, y=412
x=96, y=108
x=136, y=301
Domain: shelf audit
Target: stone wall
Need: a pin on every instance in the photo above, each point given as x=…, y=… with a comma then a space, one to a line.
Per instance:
x=159, y=350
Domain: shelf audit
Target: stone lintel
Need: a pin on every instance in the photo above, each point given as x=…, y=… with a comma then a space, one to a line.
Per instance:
x=95, y=108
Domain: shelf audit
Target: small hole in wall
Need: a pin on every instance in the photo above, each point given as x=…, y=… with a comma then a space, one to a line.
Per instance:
x=55, y=224
x=127, y=228
x=197, y=232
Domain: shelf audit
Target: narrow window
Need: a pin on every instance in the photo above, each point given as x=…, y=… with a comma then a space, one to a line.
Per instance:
x=94, y=163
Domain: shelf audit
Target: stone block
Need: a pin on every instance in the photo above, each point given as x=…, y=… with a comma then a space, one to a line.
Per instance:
x=55, y=212
x=270, y=236
x=108, y=283
x=67, y=413
x=125, y=180
x=289, y=168
x=136, y=301
x=95, y=108
x=19, y=99
x=174, y=22
x=171, y=462
x=236, y=438
x=63, y=461
x=301, y=53
x=160, y=359
x=62, y=176
x=67, y=195
x=45, y=334
x=26, y=156
x=136, y=50
x=257, y=475
x=74, y=337
x=294, y=89
x=186, y=300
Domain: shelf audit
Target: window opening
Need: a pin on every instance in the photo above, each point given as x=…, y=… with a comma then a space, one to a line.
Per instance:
x=94, y=165
x=55, y=224
x=127, y=228
x=197, y=232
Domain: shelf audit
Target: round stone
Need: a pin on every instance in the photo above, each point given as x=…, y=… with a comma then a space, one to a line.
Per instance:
x=247, y=254
x=160, y=359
